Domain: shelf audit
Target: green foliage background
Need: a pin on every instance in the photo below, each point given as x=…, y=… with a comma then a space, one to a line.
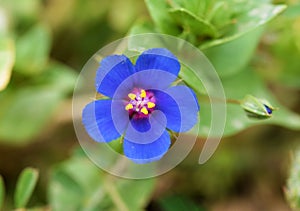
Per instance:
x=255, y=48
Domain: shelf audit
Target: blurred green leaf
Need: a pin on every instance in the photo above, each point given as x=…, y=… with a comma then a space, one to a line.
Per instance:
x=196, y=7
x=77, y=184
x=139, y=44
x=246, y=82
x=256, y=15
x=217, y=178
x=178, y=203
x=64, y=192
x=28, y=109
x=22, y=11
x=193, y=24
x=191, y=79
x=292, y=190
x=229, y=57
x=278, y=58
x=7, y=58
x=25, y=186
x=293, y=11
x=23, y=113
x=57, y=77
x=240, y=25
x=32, y=50
x=231, y=53
x=130, y=9
x=2, y=192
x=138, y=196
x=220, y=15
x=159, y=12
x=141, y=27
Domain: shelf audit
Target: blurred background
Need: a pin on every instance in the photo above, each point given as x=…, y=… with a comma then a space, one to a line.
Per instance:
x=45, y=43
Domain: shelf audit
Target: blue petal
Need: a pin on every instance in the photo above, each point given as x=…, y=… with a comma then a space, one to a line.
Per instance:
x=98, y=122
x=180, y=106
x=145, y=153
x=141, y=125
x=146, y=130
x=159, y=59
x=112, y=72
x=153, y=79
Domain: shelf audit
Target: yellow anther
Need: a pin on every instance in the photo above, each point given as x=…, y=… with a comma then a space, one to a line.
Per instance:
x=131, y=96
x=143, y=93
x=150, y=105
x=144, y=110
x=128, y=107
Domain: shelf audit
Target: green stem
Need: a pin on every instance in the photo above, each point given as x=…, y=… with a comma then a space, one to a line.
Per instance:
x=218, y=100
x=233, y=101
x=112, y=191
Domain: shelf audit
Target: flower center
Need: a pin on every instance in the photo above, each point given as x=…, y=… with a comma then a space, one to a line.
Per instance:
x=140, y=103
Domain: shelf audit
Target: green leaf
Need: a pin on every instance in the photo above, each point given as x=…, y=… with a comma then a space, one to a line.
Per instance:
x=196, y=7
x=255, y=16
x=178, y=203
x=2, y=192
x=64, y=192
x=193, y=24
x=191, y=79
x=293, y=11
x=138, y=196
x=28, y=109
x=25, y=186
x=7, y=58
x=231, y=53
x=24, y=112
x=32, y=50
x=231, y=56
x=159, y=13
x=57, y=77
x=78, y=184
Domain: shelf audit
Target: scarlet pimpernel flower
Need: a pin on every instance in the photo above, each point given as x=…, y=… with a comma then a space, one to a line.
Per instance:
x=142, y=105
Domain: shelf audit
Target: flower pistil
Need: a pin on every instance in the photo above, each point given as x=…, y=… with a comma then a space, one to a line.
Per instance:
x=140, y=103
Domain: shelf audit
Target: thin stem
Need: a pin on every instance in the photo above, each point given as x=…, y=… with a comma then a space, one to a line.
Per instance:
x=112, y=191
x=233, y=101
x=216, y=100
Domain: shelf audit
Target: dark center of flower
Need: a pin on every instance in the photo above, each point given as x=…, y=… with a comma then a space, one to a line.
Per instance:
x=140, y=103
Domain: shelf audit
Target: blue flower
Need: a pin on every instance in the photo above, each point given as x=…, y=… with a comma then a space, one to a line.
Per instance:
x=141, y=104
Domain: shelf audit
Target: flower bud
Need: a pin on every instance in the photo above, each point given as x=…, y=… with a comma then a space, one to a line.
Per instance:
x=257, y=108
